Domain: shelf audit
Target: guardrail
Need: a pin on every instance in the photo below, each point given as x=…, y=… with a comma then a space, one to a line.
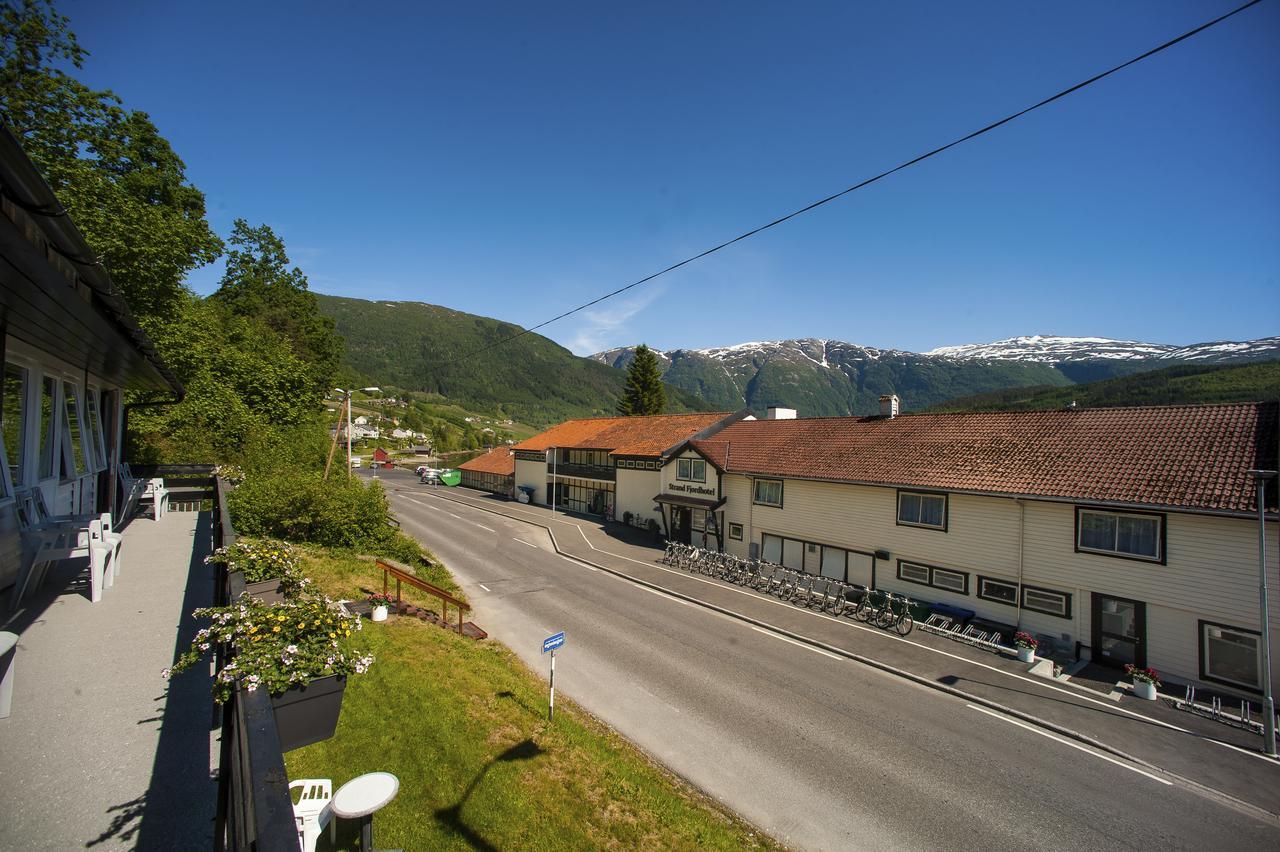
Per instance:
x=255, y=812
x=401, y=573
x=190, y=485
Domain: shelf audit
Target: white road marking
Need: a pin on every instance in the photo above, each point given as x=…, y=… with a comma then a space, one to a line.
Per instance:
x=483, y=527
x=1075, y=693
x=1066, y=742
x=483, y=586
x=452, y=515
x=522, y=541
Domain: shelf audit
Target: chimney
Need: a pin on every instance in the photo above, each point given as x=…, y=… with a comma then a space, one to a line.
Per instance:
x=776, y=413
x=889, y=405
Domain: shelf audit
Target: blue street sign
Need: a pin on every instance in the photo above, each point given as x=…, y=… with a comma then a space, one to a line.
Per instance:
x=553, y=642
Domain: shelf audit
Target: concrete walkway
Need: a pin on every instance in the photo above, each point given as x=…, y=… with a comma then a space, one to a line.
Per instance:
x=1204, y=752
x=100, y=752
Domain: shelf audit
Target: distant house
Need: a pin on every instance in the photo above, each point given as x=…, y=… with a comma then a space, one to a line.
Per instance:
x=402, y=433
x=361, y=421
x=494, y=471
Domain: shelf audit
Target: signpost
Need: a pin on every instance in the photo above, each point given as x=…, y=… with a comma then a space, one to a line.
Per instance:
x=550, y=644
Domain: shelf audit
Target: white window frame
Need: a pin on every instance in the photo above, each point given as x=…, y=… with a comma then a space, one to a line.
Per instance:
x=961, y=579
x=755, y=493
x=1115, y=551
x=923, y=495
x=982, y=590
x=735, y=531
x=1061, y=612
x=1206, y=660
x=922, y=578
x=55, y=438
x=21, y=463
x=693, y=465
x=929, y=576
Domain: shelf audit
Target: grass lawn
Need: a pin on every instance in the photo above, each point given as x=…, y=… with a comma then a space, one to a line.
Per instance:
x=463, y=725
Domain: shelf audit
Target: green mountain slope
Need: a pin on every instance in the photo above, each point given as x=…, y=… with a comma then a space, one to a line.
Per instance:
x=1178, y=385
x=532, y=379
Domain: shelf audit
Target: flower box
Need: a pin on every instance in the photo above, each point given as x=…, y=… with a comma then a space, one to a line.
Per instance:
x=309, y=714
x=267, y=591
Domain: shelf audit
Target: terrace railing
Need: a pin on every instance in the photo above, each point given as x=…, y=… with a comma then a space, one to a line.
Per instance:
x=254, y=810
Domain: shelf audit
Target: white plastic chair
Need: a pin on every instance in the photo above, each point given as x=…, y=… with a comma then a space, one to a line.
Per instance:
x=312, y=812
x=159, y=496
x=113, y=538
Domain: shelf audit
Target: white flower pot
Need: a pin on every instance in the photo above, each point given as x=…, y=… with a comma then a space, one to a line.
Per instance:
x=1026, y=655
x=1144, y=689
x=379, y=613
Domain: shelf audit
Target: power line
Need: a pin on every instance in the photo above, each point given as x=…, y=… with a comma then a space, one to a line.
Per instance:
x=975, y=134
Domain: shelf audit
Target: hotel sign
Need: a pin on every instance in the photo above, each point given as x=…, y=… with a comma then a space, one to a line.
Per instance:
x=691, y=489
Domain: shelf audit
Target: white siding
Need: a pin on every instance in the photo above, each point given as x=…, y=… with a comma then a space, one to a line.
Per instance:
x=532, y=473
x=1211, y=571
x=635, y=492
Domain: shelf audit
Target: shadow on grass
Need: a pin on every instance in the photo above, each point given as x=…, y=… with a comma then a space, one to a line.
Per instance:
x=452, y=815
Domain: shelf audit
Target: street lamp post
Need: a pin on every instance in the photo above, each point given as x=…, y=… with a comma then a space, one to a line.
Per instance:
x=1260, y=478
x=348, y=393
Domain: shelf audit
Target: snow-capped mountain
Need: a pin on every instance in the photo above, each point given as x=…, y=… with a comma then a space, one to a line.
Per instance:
x=833, y=377
x=1053, y=349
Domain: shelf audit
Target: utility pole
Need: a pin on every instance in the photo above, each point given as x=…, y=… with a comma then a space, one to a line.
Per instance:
x=1260, y=478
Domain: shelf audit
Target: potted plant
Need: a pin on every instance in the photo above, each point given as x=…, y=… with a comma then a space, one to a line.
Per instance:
x=1026, y=645
x=297, y=649
x=1145, y=681
x=380, y=603
x=270, y=568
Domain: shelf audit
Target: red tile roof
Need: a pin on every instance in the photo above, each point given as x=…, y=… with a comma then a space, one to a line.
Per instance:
x=499, y=460
x=1191, y=456
x=624, y=436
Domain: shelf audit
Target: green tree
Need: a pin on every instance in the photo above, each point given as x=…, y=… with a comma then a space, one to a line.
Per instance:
x=109, y=166
x=644, y=392
x=259, y=283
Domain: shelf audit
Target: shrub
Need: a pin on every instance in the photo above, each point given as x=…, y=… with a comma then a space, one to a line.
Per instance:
x=302, y=506
x=261, y=561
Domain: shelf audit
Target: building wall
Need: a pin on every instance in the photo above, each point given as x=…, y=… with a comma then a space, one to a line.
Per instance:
x=62, y=494
x=495, y=482
x=1210, y=572
x=534, y=474
x=635, y=493
x=671, y=484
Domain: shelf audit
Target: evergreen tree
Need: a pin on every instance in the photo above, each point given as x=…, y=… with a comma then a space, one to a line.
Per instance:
x=644, y=392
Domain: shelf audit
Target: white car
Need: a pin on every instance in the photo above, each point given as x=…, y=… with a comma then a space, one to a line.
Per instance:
x=429, y=476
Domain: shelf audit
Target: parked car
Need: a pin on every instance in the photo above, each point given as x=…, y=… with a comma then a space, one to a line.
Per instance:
x=429, y=476
x=421, y=469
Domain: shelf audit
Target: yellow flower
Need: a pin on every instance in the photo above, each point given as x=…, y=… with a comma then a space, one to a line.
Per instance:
x=279, y=618
x=333, y=635
x=276, y=629
x=348, y=632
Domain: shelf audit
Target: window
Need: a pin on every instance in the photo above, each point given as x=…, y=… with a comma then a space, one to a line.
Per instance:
x=47, y=422
x=913, y=573
x=735, y=531
x=630, y=463
x=74, y=459
x=772, y=549
x=1230, y=655
x=953, y=581
x=1120, y=534
x=938, y=578
x=833, y=563
x=1047, y=601
x=767, y=492
x=698, y=519
x=922, y=510
x=15, y=408
x=95, y=433
x=998, y=591
x=691, y=470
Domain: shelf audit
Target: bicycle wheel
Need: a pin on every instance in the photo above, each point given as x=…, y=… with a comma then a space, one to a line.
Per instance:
x=904, y=624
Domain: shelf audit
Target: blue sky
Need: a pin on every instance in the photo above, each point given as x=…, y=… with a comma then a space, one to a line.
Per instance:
x=515, y=160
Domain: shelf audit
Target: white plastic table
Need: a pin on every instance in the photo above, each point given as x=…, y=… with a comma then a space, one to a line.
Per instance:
x=360, y=797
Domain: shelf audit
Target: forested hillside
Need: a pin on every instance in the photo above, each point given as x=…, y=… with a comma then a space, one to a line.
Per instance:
x=532, y=379
x=1179, y=385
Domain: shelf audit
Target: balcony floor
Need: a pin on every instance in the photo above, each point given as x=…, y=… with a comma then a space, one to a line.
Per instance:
x=100, y=752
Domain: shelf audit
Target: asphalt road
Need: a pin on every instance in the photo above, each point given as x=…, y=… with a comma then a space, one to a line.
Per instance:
x=817, y=750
